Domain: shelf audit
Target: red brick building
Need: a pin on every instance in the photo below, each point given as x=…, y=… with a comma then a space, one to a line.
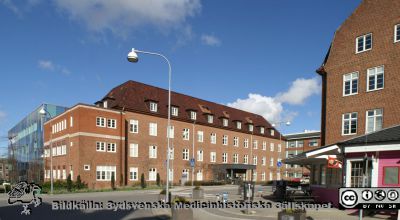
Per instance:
x=296, y=144
x=360, y=74
x=125, y=135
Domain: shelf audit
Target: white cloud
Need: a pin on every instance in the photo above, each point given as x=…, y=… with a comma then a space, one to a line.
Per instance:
x=300, y=90
x=271, y=108
x=50, y=66
x=46, y=65
x=10, y=5
x=120, y=16
x=210, y=40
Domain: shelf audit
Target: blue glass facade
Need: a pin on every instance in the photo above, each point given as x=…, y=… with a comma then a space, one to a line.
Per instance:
x=25, y=148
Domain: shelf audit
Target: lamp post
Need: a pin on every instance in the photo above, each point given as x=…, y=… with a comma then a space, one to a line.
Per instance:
x=133, y=57
x=287, y=123
x=44, y=112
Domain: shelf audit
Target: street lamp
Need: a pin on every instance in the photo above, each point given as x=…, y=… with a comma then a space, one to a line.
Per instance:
x=44, y=112
x=133, y=58
x=287, y=123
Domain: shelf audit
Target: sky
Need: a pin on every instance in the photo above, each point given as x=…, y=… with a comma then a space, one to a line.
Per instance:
x=258, y=55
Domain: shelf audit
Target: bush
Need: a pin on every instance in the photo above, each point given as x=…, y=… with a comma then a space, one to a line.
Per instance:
x=112, y=181
x=205, y=183
x=79, y=184
x=142, y=181
x=158, y=179
x=69, y=183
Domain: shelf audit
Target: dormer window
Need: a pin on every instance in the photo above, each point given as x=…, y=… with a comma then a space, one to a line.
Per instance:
x=174, y=111
x=251, y=127
x=239, y=125
x=272, y=132
x=153, y=106
x=105, y=104
x=193, y=115
x=210, y=119
x=262, y=130
x=225, y=122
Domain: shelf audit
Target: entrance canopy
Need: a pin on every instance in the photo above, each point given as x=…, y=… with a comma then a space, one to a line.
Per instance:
x=316, y=156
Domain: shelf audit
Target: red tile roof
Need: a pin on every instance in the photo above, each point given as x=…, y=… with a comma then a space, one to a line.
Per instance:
x=134, y=96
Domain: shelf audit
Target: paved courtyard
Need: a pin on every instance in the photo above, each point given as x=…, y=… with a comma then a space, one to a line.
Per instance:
x=45, y=211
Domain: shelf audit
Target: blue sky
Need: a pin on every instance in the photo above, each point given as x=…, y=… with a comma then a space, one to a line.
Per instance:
x=256, y=55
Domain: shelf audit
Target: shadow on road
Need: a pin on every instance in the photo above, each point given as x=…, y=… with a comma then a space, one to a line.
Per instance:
x=44, y=212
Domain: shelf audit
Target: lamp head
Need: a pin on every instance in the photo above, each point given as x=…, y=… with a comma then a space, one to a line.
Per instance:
x=132, y=56
x=273, y=125
x=42, y=111
x=288, y=123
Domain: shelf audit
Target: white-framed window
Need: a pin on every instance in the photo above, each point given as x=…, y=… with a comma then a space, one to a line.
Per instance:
x=63, y=149
x=235, y=158
x=236, y=141
x=186, y=134
x=171, y=131
x=171, y=174
x=270, y=175
x=171, y=153
x=104, y=173
x=111, y=147
x=174, y=111
x=239, y=125
x=213, y=157
x=364, y=43
x=255, y=160
x=152, y=129
x=86, y=167
x=246, y=159
x=225, y=122
x=100, y=146
x=133, y=150
x=199, y=175
x=200, y=155
x=264, y=145
x=64, y=174
x=279, y=148
x=152, y=174
x=263, y=176
x=185, y=154
x=272, y=132
x=225, y=140
x=185, y=173
x=193, y=115
x=111, y=123
x=134, y=126
x=350, y=84
x=59, y=150
x=376, y=78
x=210, y=119
x=262, y=130
x=271, y=162
x=71, y=121
x=251, y=127
x=153, y=106
x=397, y=33
x=255, y=176
x=271, y=146
x=374, y=120
x=200, y=136
x=213, y=138
x=255, y=144
x=133, y=173
x=152, y=151
x=54, y=151
x=224, y=157
x=263, y=161
x=246, y=143
x=100, y=122
x=349, y=123
x=313, y=143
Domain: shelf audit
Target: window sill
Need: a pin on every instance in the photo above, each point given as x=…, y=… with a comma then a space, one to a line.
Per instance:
x=374, y=90
x=350, y=94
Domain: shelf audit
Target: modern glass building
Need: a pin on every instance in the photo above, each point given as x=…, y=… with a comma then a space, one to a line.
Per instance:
x=25, y=148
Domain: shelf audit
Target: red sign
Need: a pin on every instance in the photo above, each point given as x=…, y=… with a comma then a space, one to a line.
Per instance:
x=334, y=163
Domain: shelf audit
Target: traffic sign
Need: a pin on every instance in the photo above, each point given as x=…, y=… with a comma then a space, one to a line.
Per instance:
x=279, y=164
x=192, y=162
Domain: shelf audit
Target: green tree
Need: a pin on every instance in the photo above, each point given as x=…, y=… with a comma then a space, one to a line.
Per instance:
x=69, y=183
x=112, y=181
x=142, y=181
x=158, y=180
x=79, y=184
